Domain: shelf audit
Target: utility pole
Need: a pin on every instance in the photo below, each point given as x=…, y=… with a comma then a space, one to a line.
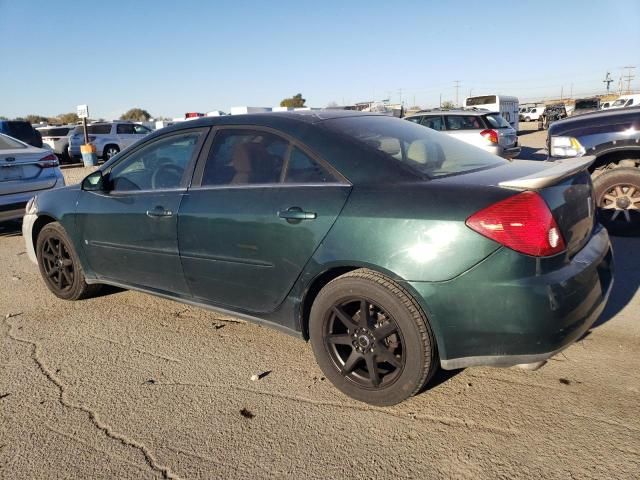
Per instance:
x=628, y=77
x=440, y=106
x=561, y=90
x=456, y=84
x=608, y=80
x=571, y=91
x=400, y=93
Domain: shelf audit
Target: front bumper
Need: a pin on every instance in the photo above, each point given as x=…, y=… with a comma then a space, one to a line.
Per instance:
x=512, y=309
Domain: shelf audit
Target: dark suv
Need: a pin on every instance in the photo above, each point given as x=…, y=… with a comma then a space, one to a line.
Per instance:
x=21, y=130
x=613, y=137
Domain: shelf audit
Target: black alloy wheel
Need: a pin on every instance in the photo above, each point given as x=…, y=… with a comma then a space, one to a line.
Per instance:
x=371, y=338
x=364, y=343
x=60, y=266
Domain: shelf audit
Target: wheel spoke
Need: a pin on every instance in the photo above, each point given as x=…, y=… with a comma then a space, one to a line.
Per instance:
x=48, y=256
x=609, y=206
x=346, y=320
x=351, y=362
x=339, y=339
x=372, y=368
x=51, y=272
x=619, y=192
x=59, y=280
x=67, y=276
x=610, y=197
x=384, y=330
x=364, y=314
x=615, y=214
x=631, y=190
x=627, y=216
x=385, y=355
x=67, y=262
x=59, y=248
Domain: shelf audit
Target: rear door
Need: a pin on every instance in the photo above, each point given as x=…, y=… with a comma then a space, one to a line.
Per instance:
x=466, y=128
x=259, y=206
x=126, y=134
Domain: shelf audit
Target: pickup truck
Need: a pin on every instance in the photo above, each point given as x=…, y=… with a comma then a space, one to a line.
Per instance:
x=613, y=138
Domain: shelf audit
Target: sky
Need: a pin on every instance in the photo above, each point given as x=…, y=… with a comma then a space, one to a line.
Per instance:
x=172, y=57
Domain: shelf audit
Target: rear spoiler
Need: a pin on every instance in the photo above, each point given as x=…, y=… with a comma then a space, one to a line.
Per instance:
x=557, y=171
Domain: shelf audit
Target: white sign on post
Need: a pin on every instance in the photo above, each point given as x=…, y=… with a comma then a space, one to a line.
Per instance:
x=83, y=111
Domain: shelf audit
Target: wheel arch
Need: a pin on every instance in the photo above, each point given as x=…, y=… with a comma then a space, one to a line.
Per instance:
x=42, y=220
x=614, y=157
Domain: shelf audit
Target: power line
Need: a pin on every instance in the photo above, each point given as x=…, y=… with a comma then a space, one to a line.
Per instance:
x=628, y=77
x=456, y=84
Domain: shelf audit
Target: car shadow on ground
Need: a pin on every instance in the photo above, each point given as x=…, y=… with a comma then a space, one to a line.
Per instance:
x=529, y=153
x=626, y=276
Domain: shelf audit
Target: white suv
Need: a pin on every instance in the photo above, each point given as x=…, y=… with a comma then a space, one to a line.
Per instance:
x=108, y=138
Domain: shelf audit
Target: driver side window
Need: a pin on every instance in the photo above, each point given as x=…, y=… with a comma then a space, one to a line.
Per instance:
x=158, y=165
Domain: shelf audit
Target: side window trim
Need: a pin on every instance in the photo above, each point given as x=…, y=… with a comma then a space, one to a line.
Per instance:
x=196, y=180
x=184, y=184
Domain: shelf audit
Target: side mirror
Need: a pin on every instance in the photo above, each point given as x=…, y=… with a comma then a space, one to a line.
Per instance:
x=95, y=182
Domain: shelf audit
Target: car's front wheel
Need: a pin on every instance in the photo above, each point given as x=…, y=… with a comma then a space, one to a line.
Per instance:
x=371, y=338
x=110, y=151
x=618, y=198
x=59, y=264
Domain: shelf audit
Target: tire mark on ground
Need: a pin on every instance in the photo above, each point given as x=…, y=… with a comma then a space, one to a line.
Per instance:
x=93, y=417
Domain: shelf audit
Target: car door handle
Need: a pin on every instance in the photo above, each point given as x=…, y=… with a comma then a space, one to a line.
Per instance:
x=296, y=214
x=159, y=212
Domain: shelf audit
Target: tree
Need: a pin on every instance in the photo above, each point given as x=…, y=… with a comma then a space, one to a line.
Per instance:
x=294, y=102
x=35, y=118
x=136, y=115
x=332, y=105
x=448, y=105
x=70, y=117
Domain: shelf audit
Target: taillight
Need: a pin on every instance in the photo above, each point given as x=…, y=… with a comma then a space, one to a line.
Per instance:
x=490, y=135
x=523, y=223
x=49, y=161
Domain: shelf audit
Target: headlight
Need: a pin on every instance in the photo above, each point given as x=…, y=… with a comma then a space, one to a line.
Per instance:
x=566, y=147
x=32, y=206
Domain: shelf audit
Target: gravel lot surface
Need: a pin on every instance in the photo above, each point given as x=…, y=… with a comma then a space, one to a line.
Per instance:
x=127, y=385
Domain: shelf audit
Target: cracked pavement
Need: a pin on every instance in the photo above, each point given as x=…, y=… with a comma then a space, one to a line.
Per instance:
x=127, y=385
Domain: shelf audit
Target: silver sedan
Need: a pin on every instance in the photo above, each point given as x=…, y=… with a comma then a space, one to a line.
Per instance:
x=24, y=171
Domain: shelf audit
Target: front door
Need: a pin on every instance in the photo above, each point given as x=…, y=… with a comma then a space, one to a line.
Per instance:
x=129, y=232
x=253, y=219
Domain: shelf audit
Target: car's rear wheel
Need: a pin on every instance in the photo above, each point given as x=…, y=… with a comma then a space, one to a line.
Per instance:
x=110, y=151
x=618, y=200
x=527, y=119
x=371, y=338
x=59, y=264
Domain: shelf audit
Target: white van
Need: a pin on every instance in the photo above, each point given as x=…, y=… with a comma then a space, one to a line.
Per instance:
x=533, y=114
x=507, y=106
x=626, y=101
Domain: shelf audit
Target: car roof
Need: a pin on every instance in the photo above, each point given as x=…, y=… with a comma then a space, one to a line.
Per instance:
x=456, y=111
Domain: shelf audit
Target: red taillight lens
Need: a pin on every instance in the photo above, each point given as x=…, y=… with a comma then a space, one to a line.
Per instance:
x=490, y=135
x=49, y=161
x=523, y=223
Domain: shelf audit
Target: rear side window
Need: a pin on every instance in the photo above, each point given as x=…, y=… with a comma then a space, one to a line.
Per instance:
x=242, y=157
x=435, y=123
x=125, y=128
x=304, y=169
x=98, y=129
x=463, y=122
x=423, y=151
x=8, y=143
x=497, y=121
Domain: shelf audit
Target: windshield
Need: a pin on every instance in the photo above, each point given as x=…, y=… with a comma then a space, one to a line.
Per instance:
x=423, y=150
x=497, y=121
x=484, y=100
x=8, y=143
x=585, y=104
x=619, y=102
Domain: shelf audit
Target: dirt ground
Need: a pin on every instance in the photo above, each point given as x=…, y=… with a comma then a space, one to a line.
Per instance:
x=127, y=385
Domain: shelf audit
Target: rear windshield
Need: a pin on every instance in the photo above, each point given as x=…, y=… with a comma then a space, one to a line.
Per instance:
x=8, y=143
x=54, y=132
x=20, y=129
x=584, y=104
x=428, y=153
x=94, y=129
x=496, y=121
x=484, y=100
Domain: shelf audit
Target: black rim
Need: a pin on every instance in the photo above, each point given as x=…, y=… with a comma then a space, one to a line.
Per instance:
x=57, y=263
x=621, y=205
x=367, y=349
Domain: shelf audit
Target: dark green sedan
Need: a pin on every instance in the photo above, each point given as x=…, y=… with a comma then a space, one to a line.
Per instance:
x=393, y=248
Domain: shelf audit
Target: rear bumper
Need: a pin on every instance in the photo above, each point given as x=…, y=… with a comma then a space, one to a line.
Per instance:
x=12, y=205
x=512, y=309
x=512, y=152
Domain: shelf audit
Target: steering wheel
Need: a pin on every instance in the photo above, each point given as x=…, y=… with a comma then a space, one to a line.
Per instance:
x=167, y=175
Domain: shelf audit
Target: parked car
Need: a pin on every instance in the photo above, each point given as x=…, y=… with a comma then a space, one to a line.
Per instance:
x=21, y=130
x=109, y=138
x=57, y=138
x=626, y=101
x=533, y=114
x=613, y=138
x=522, y=112
x=586, y=105
x=481, y=128
x=393, y=248
x=605, y=105
x=24, y=171
x=550, y=114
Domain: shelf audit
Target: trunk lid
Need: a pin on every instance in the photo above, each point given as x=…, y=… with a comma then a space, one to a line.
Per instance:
x=21, y=171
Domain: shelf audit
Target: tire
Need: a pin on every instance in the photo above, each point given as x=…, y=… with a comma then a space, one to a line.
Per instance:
x=395, y=341
x=60, y=266
x=527, y=119
x=617, y=192
x=109, y=151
